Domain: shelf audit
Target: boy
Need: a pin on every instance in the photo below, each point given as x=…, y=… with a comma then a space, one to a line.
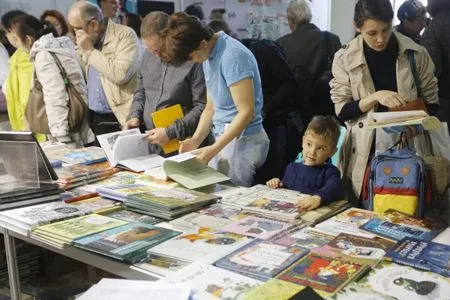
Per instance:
x=315, y=175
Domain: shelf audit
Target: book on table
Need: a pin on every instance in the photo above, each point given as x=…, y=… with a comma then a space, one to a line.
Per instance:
x=164, y=118
x=85, y=156
x=161, y=265
x=398, y=121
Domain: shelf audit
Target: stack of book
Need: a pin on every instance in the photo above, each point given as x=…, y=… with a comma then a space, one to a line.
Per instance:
x=324, y=212
x=24, y=220
x=128, y=243
x=131, y=216
x=96, y=204
x=62, y=234
x=162, y=203
x=44, y=192
x=79, y=174
x=86, y=156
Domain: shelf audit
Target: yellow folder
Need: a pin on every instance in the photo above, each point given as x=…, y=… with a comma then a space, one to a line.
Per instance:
x=166, y=117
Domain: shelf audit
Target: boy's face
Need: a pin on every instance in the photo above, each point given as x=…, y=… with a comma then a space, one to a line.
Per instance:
x=316, y=149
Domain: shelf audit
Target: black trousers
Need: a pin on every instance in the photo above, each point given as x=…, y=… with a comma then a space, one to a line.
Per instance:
x=102, y=123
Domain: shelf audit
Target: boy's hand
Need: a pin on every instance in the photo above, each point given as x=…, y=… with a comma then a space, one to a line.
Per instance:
x=310, y=203
x=274, y=183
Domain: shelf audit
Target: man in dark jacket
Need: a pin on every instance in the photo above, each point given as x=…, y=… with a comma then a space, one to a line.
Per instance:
x=309, y=52
x=436, y=39
x=412, y=16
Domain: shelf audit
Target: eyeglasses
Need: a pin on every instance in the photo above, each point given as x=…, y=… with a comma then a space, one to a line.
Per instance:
x=75, y=29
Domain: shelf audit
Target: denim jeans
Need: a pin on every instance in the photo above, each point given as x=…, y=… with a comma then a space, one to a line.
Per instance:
x=241, y=157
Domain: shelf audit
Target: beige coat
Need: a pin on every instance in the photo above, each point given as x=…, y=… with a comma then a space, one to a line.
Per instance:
x=117, y=62
x=352, y=80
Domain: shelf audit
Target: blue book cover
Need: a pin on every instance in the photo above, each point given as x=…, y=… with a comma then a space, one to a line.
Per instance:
x=261, y=259
x=127, y=242
x=424, y=255
x=397, y=231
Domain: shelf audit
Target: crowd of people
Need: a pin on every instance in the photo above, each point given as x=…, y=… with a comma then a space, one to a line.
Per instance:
x=250, y=106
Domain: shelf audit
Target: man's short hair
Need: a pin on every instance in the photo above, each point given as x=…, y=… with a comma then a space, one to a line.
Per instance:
x=8, y=18
x=90, y=12
x=411, y=10
x=154, y=23
x=325, y=126
x=299, y=12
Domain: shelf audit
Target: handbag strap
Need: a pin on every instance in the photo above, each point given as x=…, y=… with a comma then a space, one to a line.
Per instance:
x=417, y=81
x=64, y=75
x=429, y=142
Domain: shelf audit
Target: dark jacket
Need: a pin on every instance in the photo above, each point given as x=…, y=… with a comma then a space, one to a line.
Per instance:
x=305, y=49
x=436, y=39
x=278, y=82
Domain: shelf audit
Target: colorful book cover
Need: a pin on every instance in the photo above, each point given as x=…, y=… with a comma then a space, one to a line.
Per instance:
x=74, y=173
x=87, y=156
x=424, y=255
x=273, y=289
x=121, y=191
x=162, y=265
x=404, y=282
x=81, y=226
x=209, y=282
x=307, y=238
x=128, y=242
x=355, y=248
x=131, y=216
x=195, y=220
x=323, y=274
x=396, y=231
x=224, y=212
x=204, y=245
x=257, y=227
x=261, y=260
x=324, y=212
x=95, y=204
x=398, y=217
x=356, y=216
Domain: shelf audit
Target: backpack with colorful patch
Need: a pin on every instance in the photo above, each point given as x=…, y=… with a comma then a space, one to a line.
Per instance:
x=397, y=181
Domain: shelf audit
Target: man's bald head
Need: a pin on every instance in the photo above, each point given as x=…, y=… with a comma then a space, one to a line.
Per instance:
x=84, y=11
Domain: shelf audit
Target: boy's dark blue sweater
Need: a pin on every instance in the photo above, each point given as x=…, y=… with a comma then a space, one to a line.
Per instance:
x=324, y=181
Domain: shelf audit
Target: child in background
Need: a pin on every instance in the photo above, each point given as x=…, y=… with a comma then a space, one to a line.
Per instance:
x=315, y=175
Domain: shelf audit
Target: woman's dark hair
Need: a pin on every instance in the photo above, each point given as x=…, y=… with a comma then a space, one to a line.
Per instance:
x=380, y=10
x=182, y=36
x=59, y=16
x=435, y=6
x=134, y=21
x=220, y=25
x=28, y=25
x=195, y=10
x=7, y=18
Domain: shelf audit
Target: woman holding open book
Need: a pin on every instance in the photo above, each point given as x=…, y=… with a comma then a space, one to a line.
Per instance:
x=375, y=72
x=234, y=97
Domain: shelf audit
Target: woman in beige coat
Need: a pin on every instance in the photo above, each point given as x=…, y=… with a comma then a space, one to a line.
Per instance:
x=372, y=73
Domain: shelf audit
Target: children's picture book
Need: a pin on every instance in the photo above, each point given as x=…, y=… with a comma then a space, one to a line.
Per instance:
x=324, y=274
x=128, y=242
x=209, y=282
x=306, y=238
x=360, y=290
x=85, y=156
x=257, y=227
x=224, y=212
x=25, y=219
x=96, y=204
x=195, y=220
x=204, y=245
x=273, y=289
x=423, y=255
x=131, y=216
x=129, y=149
x=356, y=216
x=404, y=282
x=161, y=265
x=355, y=248
x=164, y=118
x=261, y=259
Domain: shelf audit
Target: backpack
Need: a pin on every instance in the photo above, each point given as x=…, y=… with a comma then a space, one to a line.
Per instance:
x=397, y=181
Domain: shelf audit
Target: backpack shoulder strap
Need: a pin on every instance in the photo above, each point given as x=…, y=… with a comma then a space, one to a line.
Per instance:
x=413, y=65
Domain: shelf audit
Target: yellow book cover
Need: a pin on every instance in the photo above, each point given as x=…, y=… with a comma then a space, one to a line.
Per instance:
x=274, y=289
x=166, y=117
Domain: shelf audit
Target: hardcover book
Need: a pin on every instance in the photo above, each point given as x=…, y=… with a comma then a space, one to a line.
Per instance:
x=355, y=248
x=324, y=274
x=424, y=255
x=261, y=260
x=257, y=227
x=203, y=245
x=404, y=282
x=209, y=282
x=128, y=242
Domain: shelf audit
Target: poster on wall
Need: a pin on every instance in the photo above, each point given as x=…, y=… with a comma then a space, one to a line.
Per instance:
x=267, y=19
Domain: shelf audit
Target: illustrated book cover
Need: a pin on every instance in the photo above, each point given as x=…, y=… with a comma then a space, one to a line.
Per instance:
x=257, y=227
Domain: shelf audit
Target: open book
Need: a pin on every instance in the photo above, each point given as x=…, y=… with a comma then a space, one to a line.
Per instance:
x=187, y=171
x=128, y=149
x=399, y=119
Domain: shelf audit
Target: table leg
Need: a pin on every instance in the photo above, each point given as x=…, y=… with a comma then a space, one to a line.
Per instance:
x=13, y=270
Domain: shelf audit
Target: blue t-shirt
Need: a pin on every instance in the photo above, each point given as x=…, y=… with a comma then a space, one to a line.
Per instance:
x=324, y=181
x=230, y=62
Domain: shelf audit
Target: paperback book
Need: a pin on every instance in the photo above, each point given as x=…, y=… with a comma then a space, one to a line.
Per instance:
x=161, y=265
x=423, y=255
x=128, y=243
x=85, y=156
x=404, y=282
x=305, y=238
x=324, y=274
x=261, y=259
x=324, y=212
x=209, y=282
x=360, y=290
x=257, y=227
x=131, y=216
x=203, y=245
x=96, y=204
x=273, y=289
